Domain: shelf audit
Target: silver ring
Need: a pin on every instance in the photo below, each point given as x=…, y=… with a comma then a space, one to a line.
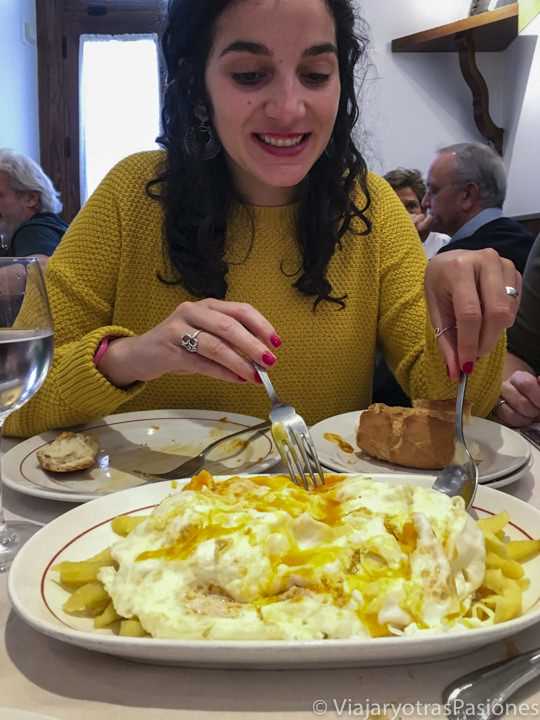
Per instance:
x=500, y=402
x=190, y=341
x=511, y=291
x=441, y=331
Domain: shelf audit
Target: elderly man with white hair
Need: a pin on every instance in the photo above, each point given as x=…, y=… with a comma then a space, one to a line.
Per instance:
x=466, y=188
x=29, y=207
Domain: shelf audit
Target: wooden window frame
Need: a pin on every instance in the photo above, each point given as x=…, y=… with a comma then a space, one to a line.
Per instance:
x=60, y=24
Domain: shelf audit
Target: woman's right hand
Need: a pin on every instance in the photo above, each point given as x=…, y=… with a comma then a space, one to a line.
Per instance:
x=232, y=336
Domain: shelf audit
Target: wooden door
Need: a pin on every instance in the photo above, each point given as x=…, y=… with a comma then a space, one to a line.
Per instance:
x=60, y=24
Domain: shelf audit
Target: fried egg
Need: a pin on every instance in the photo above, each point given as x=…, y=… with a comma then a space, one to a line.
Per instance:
x=251, y=558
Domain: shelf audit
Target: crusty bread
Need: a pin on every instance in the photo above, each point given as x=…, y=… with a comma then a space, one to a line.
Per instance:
x=418, y=437
x=443, y=409
x=69, y=452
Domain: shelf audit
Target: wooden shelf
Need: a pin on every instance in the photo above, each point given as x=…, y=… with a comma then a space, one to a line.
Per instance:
x=492, y=31
x=487, y=32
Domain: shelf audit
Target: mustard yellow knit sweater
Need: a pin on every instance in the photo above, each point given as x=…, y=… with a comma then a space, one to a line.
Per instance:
x=103, y=280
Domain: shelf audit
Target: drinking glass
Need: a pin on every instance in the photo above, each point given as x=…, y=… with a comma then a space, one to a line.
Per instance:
x=26, y=348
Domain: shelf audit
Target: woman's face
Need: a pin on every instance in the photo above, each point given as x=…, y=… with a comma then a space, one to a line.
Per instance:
x=273, y=81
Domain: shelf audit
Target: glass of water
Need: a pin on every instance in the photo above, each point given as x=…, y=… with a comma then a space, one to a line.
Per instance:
x=26, y=349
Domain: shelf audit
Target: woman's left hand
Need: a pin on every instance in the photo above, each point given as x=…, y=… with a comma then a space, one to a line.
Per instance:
x=467, y=299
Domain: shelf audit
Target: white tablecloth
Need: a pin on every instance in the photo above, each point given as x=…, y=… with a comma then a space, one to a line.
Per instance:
x=46, y=676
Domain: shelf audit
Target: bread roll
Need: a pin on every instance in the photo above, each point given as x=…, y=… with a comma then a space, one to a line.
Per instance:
x=69, y=452
x=418, y=437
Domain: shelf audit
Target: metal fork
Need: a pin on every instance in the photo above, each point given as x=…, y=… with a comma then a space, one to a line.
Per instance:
x=532, y=434
x=292, y=439
x=480, y=694
x=461, y=476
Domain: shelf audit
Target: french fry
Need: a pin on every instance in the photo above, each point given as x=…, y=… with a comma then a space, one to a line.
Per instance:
x=107, y=617
x=76, y=574
x=132, y=628
x=509, y=567
x=493, y=544
x=494, y=523
x=91, y=599
x=104, y=557
x=522, y=549
x=124, y=524
x=508, y=606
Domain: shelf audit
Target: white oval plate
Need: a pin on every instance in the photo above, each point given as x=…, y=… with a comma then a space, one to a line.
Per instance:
x=150, y=441
x=9, y=713
x=503, y=451
x=86, y=530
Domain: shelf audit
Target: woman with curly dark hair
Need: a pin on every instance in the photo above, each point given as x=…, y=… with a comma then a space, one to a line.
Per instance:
x=258, y=227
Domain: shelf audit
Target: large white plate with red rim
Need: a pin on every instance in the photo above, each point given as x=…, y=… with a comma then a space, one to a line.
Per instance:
x=149, y=441
x=85, y=530
x=503, y=451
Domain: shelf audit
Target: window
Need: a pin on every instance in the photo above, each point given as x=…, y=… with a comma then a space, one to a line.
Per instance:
x=75, y=39
x=119, y=106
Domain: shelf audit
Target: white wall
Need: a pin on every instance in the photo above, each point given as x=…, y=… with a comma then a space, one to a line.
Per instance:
x=414, y=103
x=522, y=154
x=18, y=77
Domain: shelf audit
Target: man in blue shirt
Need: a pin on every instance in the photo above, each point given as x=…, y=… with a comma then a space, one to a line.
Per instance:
x=466, y=188
x=29, y=207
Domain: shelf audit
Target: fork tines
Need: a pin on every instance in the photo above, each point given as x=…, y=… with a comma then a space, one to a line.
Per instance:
x=306, y=467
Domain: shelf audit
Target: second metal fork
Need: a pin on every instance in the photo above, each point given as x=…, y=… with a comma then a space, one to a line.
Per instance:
x=292, y=439
x=460, y=477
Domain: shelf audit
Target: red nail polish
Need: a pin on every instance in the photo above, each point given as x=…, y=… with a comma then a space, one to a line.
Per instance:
x=268, y=358
x=468, y=367
x=257, y=378
x=276, y=341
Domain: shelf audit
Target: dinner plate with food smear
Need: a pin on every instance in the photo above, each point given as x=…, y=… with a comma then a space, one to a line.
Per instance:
x=387, y=439
x=116, y=452
x=253, y=571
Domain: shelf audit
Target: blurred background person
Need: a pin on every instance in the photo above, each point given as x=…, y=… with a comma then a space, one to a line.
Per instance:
x=466, y=188
x=519, y=403
x=29, y=207
x=411, y=188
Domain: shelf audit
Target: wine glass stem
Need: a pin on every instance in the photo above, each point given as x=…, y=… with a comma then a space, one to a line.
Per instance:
x=7, y=536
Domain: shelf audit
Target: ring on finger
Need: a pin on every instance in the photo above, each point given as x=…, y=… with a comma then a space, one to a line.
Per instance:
x=511, y=291
x=500, y=402
x=190, y=341
x=441, y=331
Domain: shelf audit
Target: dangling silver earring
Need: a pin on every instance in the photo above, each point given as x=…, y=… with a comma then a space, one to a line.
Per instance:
x=200, y=140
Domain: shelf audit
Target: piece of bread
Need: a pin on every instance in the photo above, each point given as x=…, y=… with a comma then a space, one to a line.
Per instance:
x=69, y=452
x=444, y=409
x=418, y=437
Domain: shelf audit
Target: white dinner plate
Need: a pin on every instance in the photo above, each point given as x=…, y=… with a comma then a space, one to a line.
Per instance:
x=150, y=441
x=86, y=530
x=502, y=451
x=505, y=480
x=10, y=713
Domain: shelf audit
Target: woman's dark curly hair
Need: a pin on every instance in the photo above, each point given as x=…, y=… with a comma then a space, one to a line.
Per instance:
x=197, y=194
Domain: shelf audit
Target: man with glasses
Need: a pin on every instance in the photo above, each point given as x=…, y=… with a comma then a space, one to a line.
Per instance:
x=466, y=188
